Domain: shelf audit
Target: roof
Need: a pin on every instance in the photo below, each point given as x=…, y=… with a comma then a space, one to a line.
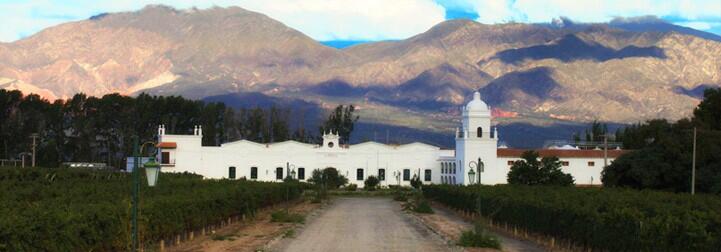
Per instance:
x=167, y=145
x=561, y=153
x=476, y=104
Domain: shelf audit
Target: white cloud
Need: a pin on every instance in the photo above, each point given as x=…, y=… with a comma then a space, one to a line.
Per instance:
x=499, y=11
x=319, y=19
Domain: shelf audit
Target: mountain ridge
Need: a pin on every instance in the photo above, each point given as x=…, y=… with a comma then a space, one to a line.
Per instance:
x=567, y=71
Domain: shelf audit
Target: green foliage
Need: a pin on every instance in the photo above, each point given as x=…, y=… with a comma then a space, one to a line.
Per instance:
x=351, y=187
x=341, y=120
x=422, y=206
x=400, y=195
x=286, y=216
x=100, y=129
x=86, y=210
x=594, y=133
x=371, y=183
x=328, y=178
x=708, y=112
x=605, y=219
x=662, y=158
x=531, y=171
x=479, y=238
x=416, y=182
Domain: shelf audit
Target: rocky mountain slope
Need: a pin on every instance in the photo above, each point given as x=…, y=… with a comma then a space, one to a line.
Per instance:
x=619, y=72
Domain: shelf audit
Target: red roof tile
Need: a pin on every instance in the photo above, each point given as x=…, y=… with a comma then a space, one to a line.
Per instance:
x=167, y=145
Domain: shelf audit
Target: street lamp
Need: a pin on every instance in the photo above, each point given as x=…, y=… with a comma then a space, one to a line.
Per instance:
x=152, y=173
x=480, y=166
x=471, y=175
x=152, y=170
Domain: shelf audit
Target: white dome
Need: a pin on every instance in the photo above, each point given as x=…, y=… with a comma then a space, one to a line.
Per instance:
x=476, y=104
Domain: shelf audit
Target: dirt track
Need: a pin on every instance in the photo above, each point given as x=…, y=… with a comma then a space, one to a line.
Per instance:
x=364, y=224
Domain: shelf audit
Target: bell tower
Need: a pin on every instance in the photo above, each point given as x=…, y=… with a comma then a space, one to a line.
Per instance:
x=330, y=140
x=477, y=139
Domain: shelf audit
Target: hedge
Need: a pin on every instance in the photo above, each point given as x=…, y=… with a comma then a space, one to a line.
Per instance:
x=598, y=218
x=87, y=210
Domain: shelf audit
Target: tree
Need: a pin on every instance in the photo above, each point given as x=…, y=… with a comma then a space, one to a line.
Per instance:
x=532, y=171
x=663, y=160
x=328, y=177
x=371, y=183
x=708, y=112
x=341, y=120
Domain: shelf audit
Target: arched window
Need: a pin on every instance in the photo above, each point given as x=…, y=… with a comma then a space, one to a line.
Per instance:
x=493, y=133
x=479, y=132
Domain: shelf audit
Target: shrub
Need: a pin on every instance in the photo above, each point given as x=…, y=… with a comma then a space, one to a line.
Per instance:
x=328, y=177
x=416, y=182
x=422, y=206
x=351, y=187
x=88, y=210
x=399, y=195
x=371, y=183
x=605, y=219
x=479, y=237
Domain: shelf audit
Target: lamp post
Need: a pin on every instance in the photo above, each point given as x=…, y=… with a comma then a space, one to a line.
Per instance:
x=480, y=166
x=152, y=172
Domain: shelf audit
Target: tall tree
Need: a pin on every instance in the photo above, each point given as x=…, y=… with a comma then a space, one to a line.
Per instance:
x=532, y=171
x=342, y=121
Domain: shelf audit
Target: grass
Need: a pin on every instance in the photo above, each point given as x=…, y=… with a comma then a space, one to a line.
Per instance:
x=423, y=206
x=479, y=238
x=285, y=216
x=290, y=233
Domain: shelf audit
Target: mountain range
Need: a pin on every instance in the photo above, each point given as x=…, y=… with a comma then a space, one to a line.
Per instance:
x=624, y=71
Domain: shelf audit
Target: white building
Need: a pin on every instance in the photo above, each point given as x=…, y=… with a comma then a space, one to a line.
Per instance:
x=393, y=164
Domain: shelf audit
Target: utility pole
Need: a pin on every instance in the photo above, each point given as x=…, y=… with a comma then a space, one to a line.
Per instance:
x=605, y=150
x=693, y=164
x=34, y=137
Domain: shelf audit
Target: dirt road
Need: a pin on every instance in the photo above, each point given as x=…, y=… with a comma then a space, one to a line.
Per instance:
x=364, y=224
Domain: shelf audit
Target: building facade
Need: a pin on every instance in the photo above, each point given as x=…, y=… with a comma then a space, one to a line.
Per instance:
x=476, y=146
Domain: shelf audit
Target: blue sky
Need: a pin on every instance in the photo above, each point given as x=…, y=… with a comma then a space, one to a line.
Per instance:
x=340, y=21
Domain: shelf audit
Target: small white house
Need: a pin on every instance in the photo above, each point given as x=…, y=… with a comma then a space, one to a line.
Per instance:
x=476, y=140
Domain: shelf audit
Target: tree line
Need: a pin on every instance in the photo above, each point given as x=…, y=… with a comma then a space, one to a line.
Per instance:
x=663, y=152
x=101, y=129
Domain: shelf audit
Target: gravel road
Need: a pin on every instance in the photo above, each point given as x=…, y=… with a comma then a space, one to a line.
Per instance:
x=364, y=224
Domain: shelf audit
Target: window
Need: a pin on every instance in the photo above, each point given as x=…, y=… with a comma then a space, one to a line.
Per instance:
x=231, y=172
x=443, y=179
x=443, y=167
x=479, y=132
x=591, y=163
x=359, y=174
x=406, y=174
x=165, y=157
x=564, y=163
x=492, y=132
x=454, y=168
x=330, y=145
x=454, y=180
x=253, y=172
x=381, y=174
x=427, y=176
x=279, y=173
x=510, y=162
x=301, y=173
